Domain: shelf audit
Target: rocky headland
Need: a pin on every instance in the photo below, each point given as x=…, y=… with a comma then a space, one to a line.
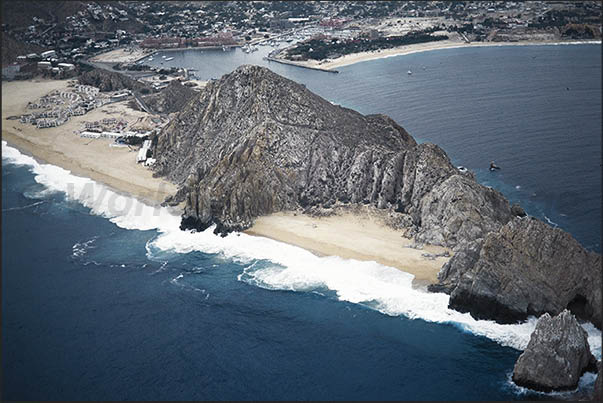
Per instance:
x=255, y=143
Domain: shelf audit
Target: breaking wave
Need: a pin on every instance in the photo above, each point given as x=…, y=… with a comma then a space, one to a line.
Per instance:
x=278, y=266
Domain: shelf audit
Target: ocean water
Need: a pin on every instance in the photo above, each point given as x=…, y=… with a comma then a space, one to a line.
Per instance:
x=104, y=298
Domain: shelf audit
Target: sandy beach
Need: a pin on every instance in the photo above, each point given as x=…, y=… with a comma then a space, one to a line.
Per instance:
x=120, y=56
x=360, y=235
x=92, y=158
x=346, y=60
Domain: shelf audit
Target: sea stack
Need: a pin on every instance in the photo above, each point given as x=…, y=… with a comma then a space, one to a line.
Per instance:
x=557, y=355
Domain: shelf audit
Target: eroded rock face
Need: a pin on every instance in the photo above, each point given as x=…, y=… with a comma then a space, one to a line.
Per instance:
x=254, y=143
x=171, y=99
x=525, y=268
x=459, y=209
x=557, y=355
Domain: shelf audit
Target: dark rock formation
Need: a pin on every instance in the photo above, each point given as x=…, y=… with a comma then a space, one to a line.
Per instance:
x=110, y=81
x=557, y=355
x=525, y=268
x=11, y=48
x=254, y=143
x=172, y=98
x=598, y=394
x=517, y=210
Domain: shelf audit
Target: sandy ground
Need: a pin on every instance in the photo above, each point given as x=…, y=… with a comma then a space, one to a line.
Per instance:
x=92, y=158
x=357, y=236
x=331, y=64
x=120, y=56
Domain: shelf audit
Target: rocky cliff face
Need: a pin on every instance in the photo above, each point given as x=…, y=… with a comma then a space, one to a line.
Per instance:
x=254, y=143
x=110, y=81
x=557, y=355
x=171, y=99
x=525, y=268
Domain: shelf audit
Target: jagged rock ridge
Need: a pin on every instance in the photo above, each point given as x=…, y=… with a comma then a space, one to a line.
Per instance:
x=254, y=143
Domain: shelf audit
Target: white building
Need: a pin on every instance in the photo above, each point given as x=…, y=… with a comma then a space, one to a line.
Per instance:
x=44, y=65
x=48, y=54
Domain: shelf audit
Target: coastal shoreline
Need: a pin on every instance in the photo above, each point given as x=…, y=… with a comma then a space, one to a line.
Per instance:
x=361, y=235
x=358, y=233
x=59, y=146
x=354, y=58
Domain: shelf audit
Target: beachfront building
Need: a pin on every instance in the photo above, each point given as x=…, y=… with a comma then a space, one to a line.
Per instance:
x=66, y=66
x=111, y=135
x=91, y=135
x=144, y=151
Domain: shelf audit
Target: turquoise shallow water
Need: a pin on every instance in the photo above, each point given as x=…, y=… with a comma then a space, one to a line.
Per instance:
x=100, y=306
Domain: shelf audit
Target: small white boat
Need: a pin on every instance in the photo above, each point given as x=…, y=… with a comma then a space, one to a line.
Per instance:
x=409, y=72
x=169, y=58
x=163, y=57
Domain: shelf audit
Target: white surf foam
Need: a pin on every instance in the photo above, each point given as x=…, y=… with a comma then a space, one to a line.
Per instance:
x=284, y=267
x=586, y=382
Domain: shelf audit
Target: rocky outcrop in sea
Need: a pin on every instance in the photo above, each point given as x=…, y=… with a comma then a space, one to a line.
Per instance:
x=525, y=268
x=557, y=355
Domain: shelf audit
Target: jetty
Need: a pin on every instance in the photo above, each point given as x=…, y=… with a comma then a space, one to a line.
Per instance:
x=292, y=63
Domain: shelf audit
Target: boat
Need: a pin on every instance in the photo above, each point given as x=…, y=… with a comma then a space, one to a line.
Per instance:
x=169, y=58
x=163, y=57
x=224, y=48
x=409, y=72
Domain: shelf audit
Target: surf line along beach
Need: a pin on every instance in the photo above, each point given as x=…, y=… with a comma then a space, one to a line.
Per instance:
x=361, y=235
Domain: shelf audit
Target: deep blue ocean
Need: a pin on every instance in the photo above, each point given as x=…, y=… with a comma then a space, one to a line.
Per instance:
x=103, y=303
